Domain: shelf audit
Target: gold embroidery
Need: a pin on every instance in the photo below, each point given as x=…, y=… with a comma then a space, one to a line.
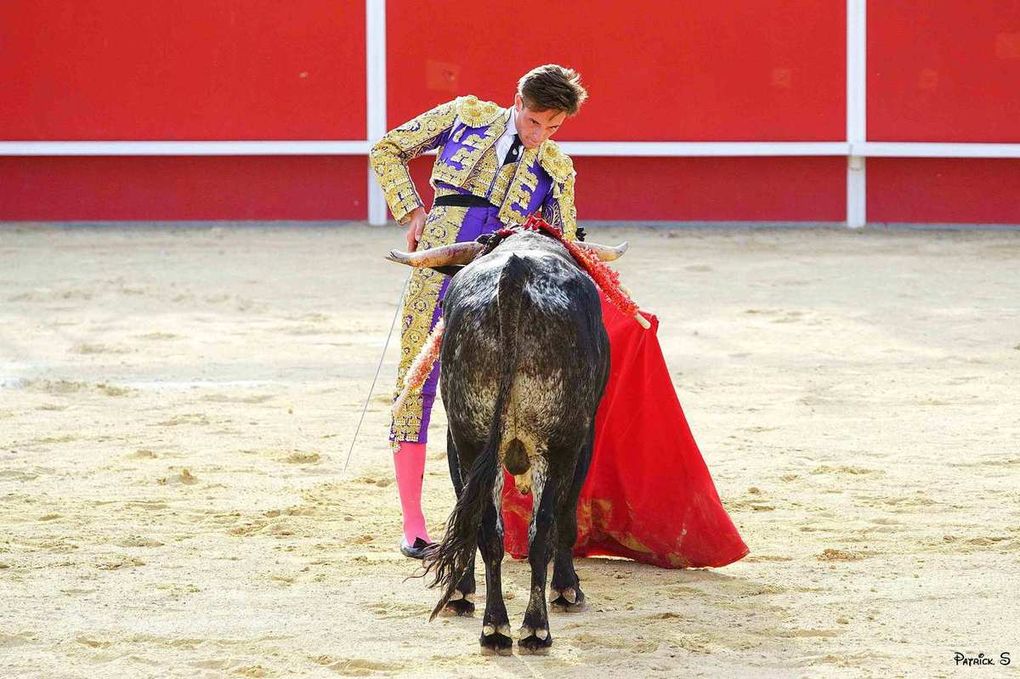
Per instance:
x=529, y=179
x=521, y=188
x=518, y=198
x=510, y=215
x=470, y=149
x=481, y=179
x=477, y=113
x=389, y=156
x=501, y=185
x=563, y=212
x=441, y=228
x=568, y=210
x=555, y=162
x=476, y=146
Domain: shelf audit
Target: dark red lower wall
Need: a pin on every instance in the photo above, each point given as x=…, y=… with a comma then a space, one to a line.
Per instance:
x=944, y=190
x=713, y=189
x=701, y=189
x=183, y=188
x=932, y=190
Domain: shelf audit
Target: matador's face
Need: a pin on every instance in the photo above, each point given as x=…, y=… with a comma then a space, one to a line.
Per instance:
x=534, y=127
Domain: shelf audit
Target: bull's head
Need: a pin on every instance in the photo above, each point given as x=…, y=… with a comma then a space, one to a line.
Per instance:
x=448, y=259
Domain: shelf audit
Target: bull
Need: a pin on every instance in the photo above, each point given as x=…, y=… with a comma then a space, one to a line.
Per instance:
x=525, y=361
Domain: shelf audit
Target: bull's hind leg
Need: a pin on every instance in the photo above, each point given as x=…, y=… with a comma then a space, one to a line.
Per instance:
x=535, y=636
x=565, y=591
x=463, y=600
x=495, y=623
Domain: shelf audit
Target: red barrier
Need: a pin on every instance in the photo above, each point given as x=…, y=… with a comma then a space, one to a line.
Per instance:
x=701, y=189
x=186, y=70
x=183, y=188
x=944, y=71
x=944, y=190
x=727, y=70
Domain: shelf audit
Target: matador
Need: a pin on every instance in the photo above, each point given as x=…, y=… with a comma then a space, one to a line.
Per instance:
x=494, y=167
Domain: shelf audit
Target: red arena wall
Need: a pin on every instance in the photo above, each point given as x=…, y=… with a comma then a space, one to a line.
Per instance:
x=679, y=72
x=944, y=72
x=193, y=70
x=728, y=70
x=944, y=190
x=95, y=70
x=700, y=189
x=723, y=71
x=189, y=188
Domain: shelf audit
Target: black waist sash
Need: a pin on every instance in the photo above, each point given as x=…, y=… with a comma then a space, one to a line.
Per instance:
x=462, y=200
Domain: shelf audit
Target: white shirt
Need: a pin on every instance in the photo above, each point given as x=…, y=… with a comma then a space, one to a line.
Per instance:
x=506, y=139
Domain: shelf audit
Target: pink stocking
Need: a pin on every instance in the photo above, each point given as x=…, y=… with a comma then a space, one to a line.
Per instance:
x=409, y=462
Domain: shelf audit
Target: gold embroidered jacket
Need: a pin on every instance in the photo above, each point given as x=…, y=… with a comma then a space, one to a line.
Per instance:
x=465, y=131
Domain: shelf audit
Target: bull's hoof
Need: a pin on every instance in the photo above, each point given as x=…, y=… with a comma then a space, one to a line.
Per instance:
x=496, y=640
x=460, y=604
x=568, y=600
x=534, y=641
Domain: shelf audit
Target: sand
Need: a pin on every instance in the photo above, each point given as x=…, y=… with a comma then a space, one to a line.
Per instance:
x=176, y=407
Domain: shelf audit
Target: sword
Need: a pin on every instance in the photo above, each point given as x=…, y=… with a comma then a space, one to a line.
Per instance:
x=393, y=324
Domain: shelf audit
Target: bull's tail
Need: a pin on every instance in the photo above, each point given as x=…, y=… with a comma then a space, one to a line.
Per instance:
x=449, y=560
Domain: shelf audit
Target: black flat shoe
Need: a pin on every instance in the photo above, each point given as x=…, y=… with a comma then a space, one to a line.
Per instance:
x=415, y=551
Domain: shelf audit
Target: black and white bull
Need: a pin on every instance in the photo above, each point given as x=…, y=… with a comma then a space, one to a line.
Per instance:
x=525, y=359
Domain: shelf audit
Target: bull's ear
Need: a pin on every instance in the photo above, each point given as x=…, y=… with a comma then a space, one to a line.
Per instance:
x=449, y=270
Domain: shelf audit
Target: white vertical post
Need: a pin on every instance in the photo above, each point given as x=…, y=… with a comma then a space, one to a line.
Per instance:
x=375, y=70
x=856, y=111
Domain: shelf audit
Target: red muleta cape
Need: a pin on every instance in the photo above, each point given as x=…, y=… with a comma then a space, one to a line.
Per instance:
x=648, y=495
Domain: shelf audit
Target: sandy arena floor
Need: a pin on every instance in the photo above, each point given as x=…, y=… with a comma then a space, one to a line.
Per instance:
x=176, y=406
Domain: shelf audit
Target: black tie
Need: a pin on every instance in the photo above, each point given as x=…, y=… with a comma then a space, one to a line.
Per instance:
x=515, y=150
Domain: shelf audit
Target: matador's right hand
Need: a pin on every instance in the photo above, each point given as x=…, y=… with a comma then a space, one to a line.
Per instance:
x=415, y=227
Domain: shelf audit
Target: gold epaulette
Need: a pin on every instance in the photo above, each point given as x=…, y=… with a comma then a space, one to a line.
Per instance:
x=477, y=113
x=557, y=163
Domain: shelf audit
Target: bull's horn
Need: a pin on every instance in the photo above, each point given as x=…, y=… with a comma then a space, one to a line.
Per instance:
x=446, y=255
x=605, y=252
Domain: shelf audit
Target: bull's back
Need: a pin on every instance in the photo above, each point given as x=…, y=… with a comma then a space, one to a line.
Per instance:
x=557, y=341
